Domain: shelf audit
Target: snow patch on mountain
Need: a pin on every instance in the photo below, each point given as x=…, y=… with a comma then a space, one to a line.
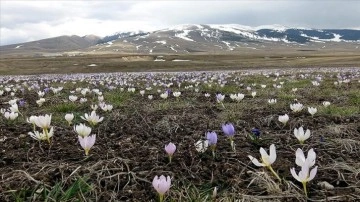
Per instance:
x=184, y=35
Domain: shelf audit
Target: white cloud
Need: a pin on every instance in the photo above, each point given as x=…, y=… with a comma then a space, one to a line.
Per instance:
x=32, y=20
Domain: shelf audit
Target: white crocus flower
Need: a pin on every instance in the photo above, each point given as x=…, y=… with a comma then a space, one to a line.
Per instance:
x=11, y=115
x=176, y=94
x=142, y=92
x=42, y=136
x=43, y=121
x=40, y=102
x=106, y=107
x=150, y=97
x=326, y=103
x=93, y=119
x=305, y=175
x=220, y=98
x=164, y=95
x=41, y=93
x=69, y=118
x=297, y=107
x=312, y=110
x=14, y=108
x=301, y=135
x=207, y=94
x=201, y=145
x=301, y=160
x=87, y=142
x=83, y=100
x=272, y=101
x=73, y=98
x=82, y=130
x=237, y=97
x=266, y=159
x=94, y=107
x=253, y=94
x=284, y=118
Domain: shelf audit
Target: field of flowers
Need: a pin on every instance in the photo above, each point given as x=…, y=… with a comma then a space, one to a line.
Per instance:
x=259, y=135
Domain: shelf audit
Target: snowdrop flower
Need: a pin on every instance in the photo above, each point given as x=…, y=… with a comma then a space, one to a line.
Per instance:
x=40, y=102
x=304, y=176
x=301, y=160
x=87, y=142
x=42, y=136
x=69, y=118
x=176, y=94
x=170, y=149
x=301, y=135
x=284, y=118
x=229, y=131
x=253, y=94
x=82, y=130
x=93, y=119
x=266, y=159
x=150, y=97
x=161, y=184
x=294, y=90
x=312, y=110
x=326, y=103
x=272, y=101
x=11, y=115
x=73, y=98
x=297, y=107
x=201, y=145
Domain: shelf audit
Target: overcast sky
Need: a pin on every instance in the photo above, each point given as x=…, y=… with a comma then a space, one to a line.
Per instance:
x=23, y=21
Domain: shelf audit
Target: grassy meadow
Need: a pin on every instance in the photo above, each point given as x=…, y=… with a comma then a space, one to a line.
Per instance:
x=129, y=148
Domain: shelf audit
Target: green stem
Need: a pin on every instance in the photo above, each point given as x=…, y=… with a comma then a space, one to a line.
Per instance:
x=47, y=135
x=305, y=190
x=161, y=197
x=276, y=175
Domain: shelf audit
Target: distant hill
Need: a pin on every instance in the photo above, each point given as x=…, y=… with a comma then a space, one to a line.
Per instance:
x=51, y=45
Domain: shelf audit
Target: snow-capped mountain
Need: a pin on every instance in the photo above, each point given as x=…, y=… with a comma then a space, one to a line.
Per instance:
x=210, y=38
x=190, y=38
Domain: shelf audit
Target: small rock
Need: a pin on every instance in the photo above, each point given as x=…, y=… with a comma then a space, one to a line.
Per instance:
x=325, y=185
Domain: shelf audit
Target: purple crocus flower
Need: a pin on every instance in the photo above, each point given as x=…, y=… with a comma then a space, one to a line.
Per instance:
x=22, y=103
x=46, y=90
x=255, y=132
x=212, y=138
x=228, y=129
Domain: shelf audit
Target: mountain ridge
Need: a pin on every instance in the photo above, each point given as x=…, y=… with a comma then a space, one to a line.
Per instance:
x=192, y=38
